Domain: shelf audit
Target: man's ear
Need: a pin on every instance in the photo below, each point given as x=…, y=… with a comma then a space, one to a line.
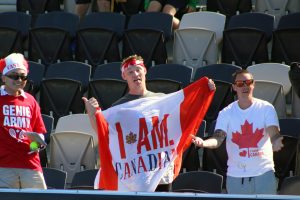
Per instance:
x=123, y=76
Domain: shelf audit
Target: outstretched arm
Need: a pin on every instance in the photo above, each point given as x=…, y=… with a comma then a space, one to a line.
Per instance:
x=213, y=142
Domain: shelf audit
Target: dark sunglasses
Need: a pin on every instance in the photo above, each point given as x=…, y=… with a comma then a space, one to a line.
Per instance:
x=17, y=76
x=242, y=83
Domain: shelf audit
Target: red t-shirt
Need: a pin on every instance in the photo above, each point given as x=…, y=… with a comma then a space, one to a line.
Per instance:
x=18, y=115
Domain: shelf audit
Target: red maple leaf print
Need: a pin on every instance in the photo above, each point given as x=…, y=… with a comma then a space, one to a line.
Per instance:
x=247, y=138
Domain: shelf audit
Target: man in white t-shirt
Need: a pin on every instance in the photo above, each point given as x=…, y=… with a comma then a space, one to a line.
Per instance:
x=251, y=129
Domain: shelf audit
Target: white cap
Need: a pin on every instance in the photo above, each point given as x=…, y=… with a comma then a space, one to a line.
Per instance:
x=13, y=61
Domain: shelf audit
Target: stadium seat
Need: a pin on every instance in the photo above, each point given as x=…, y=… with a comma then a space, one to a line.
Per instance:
x=112, y=21
x=58, y=19
x=229, y=7
x=96, y=46
x=165, y=86
x=285, y=159
x=244, y=46
x=290, y=186
x=293, y=6
x=107, y=91
x=49, y=45
x=108, y=70
x=198, y=182
x=148, y=43
x=16, y=20
x=221, y=72
x=177, y=72
x=274, y=72
x=54, y=178
x=76, y=122
x=195, y=47
x=98, y=36
x=295, y=103
x=260, y=21
x=294, y=76
x=11, y=41
x=206, y=20
x=84, y=180
x=50, y=39
x=35, y=75
x=285, y=46
x=49, y=124
x=71, y=70
x=273, y=93
x=277, y=8
x=289, y=21
x=152, y=20
x=72, y=152
x=60, y=97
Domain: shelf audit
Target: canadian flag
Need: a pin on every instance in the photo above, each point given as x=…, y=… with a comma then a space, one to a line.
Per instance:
x=138, y=140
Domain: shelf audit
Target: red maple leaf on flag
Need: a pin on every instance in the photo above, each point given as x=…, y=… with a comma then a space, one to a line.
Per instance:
x=247, y=138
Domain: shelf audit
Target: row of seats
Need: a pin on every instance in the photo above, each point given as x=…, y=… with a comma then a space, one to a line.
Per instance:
x=244, y=40
x=56, y=36
x=185, y=182
x=106, y=84
x=98, y=38
x=194, y=181
x=57, y=179
x=228, y=7
x=278, y=8
x=35, y=7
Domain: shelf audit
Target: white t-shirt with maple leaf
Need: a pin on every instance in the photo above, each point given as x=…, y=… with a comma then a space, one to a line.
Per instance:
x=248, y=146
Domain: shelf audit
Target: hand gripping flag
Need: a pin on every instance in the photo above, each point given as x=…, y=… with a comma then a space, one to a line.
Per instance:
x=138, y=140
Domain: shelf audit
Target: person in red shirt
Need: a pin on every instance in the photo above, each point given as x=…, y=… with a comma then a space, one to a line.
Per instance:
x=20, y=113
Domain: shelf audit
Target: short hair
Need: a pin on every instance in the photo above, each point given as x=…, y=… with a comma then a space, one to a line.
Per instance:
x=240, y=71
x=132, y=57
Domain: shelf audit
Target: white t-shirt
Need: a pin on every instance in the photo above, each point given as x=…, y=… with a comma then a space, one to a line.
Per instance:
x=249, y=147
